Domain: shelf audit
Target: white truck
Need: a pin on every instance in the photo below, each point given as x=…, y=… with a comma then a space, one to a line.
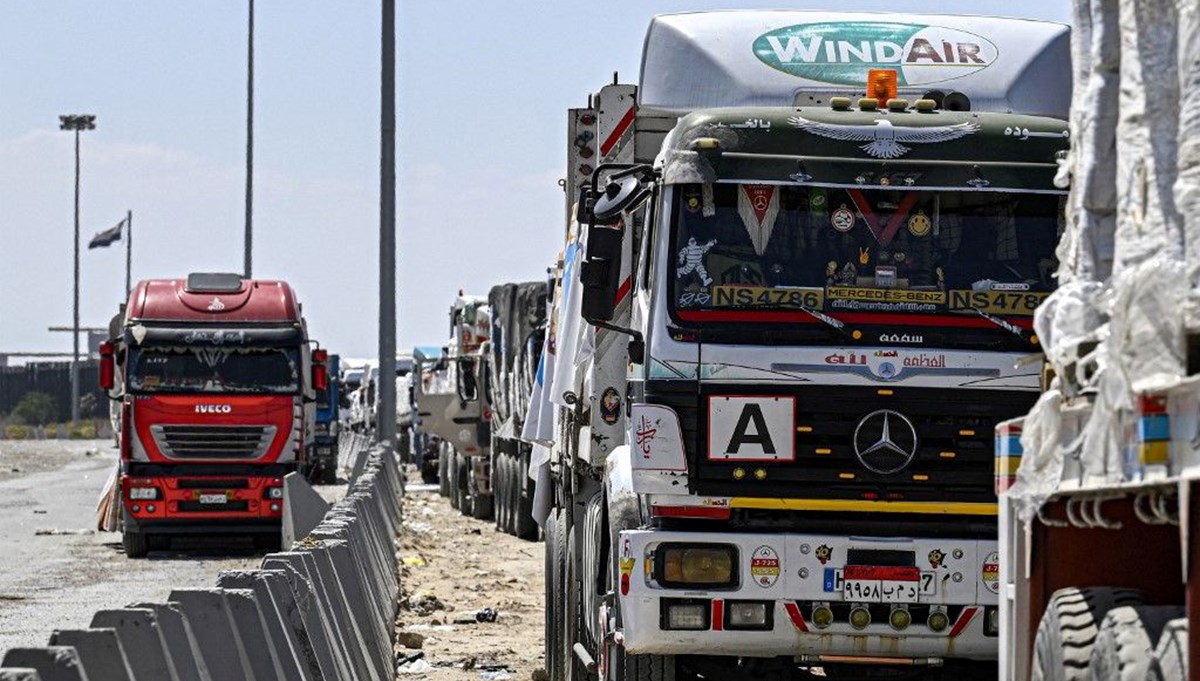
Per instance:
x=802, y=258
x=1097, y=549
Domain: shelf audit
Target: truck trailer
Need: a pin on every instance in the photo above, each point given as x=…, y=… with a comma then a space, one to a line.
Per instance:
x=801, y=263
x=1097, y=551
x=513, y=356
x=217, y=380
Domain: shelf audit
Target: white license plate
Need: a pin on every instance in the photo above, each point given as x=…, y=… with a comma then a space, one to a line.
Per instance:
x=213, y=498
x=883, y=585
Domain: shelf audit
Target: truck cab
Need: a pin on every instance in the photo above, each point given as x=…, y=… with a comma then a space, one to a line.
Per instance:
x=217, y=386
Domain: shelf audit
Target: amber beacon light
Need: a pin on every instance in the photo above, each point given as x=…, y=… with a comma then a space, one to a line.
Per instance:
x=882, y=85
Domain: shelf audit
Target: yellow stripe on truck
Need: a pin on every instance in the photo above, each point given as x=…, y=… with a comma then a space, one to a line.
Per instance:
x=864, y=506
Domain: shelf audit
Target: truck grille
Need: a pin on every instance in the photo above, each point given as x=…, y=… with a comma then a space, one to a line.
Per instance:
x=213, y=442
x=954, y=461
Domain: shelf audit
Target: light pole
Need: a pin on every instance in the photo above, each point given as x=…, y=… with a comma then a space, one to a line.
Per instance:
x=387, y=229
x=78, y=123
x=246, y=257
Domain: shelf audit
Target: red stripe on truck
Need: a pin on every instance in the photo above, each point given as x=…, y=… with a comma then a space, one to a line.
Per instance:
x=617, y=133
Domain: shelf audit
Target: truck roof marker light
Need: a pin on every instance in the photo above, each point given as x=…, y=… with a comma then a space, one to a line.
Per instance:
x=804, y=429
x=882, y=85
x=739, y=473
x=706, y=143
x=839, y=103
x=867, y=104
x=920, y=477
x=856, y=334
x=966, y=432
x=924, y=105
x=760, y=474
x=886, y=392
x=947, y=455
x=846, y=476
x=823, y=450
x=897, y=104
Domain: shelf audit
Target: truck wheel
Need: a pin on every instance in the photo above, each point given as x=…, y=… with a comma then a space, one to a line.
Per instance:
x=524, y=526
x=443, y=474
x=1125, y=645
x=509, y=512
x=556, y=559
x=136, y=544
x=649, y=668
x=452, y=468
x=1063, y=648
x=483, y=506
x=1170, y=656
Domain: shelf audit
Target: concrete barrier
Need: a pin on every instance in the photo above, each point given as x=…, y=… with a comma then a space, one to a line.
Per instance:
x=99, y=650
x=322, y=611
x=53, y=663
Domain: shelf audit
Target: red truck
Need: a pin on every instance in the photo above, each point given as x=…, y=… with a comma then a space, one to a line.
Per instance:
x=216, y=381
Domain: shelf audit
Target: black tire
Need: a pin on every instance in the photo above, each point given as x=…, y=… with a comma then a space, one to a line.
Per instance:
x=648, y=668
x=452, y=467
x=573, y=620
x=136, y=544
x=1125, y=645
x=524, y=526
x=498, y=486
x=1171, y=654
x=269, y=542
x=429, y=473
x=443, y=474
x=483, y=506
x=462, y=468
x=510, y=513
x=555, y=595
x=1068, y=630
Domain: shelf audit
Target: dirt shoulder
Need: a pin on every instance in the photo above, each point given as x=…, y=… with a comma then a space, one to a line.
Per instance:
x=454, y=568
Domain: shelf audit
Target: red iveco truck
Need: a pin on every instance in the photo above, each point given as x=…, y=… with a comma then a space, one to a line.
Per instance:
x=216, y=381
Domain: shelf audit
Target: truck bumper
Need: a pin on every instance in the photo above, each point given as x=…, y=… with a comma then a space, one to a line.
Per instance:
x=797, y=580
x=200, y=504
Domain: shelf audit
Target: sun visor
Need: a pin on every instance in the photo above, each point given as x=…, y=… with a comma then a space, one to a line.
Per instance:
x=214, y=337
x=709, y=60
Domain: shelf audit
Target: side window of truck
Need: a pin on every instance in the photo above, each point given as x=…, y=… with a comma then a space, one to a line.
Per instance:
x=646, y=250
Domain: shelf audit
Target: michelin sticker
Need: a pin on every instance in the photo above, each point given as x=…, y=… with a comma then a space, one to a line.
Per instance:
x=841, y=52
x=765, y=567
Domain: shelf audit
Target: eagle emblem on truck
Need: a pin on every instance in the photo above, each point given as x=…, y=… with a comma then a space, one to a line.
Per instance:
x=884, y=140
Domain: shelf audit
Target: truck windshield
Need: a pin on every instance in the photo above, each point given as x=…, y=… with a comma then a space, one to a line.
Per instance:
x=215, y=370
x=864, y=256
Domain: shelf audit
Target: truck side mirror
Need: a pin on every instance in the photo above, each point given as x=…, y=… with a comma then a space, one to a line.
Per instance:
x=320, y=373
x=619, y=196
x=600, y=273
x=108, y=365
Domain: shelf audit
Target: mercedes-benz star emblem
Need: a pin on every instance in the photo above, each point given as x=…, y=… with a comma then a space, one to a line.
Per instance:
x=885, y=441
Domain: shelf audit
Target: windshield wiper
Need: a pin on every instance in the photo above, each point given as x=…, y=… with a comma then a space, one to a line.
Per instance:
x=1007, y=326
x=832, y=322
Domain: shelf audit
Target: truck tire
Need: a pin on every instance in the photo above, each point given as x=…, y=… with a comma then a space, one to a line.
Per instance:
x=648, y=668
x=1125, y=645
x=1170, y=656
x=483, y=506
x=1062, y=650
x=443, y=474
x=429, y=474
x=498, y=481
x=136, y=544
x=556, y=559
x=524, y=526
x=462, y=482
x=452, y=469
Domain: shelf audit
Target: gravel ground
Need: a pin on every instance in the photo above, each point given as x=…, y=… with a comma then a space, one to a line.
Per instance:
x=50, y=581
x=454, y=567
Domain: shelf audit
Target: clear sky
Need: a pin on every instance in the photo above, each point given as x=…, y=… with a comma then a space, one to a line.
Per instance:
x=483, y=88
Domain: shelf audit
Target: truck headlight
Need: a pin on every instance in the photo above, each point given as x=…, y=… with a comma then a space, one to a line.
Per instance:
x=748, y=615
x=696, y=565
x=143, y=493
x=684, y=615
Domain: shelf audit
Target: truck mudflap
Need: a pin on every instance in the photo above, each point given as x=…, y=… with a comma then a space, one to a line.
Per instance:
x=807, y=595
x=200, y=502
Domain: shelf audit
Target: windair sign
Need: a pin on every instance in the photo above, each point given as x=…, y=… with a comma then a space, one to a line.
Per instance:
x=841, y=52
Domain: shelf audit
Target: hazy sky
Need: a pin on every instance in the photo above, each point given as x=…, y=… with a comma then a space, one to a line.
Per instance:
x=483, y=88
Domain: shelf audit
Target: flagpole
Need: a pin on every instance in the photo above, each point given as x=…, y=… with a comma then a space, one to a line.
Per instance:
x=128, y=250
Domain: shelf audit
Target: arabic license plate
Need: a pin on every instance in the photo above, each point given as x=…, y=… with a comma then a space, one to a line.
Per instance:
x=212, y=498
x=881, y=584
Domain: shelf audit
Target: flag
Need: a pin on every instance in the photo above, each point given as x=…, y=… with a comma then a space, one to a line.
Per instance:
x=107, y=237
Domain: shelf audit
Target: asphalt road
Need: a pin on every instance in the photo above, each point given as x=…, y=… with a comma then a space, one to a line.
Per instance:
x=55, y=569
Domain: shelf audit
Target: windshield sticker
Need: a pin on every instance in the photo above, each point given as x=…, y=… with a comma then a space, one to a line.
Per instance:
x=897, y=338
x=919, y=225
x=1021, y=304
x=691, y=201
x=691, y=261
x=841, y=52
x=732, y=295
x=842, y=219
x=885, y=366
x=758, y=206
x=886, y=232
